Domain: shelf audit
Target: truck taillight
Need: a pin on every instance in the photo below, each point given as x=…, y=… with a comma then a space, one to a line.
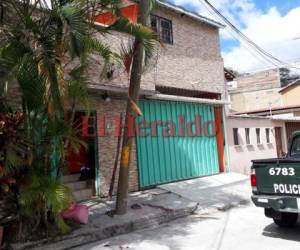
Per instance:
x=253, y=180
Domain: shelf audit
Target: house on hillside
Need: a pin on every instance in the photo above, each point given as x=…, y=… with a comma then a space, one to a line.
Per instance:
x=260, y=90
x=182, y=99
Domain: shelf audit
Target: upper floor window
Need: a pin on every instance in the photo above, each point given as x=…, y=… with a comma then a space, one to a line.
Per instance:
x=163, y=27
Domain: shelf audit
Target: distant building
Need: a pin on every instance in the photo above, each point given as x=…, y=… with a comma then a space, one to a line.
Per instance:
x=263, y=115
x=260, y=90
x=253, y=137
x=291, y=93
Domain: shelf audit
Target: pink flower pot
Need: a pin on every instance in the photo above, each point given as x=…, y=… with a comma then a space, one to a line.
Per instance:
x=1, y=234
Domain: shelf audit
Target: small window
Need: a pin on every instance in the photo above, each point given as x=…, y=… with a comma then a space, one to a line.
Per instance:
x=163, y=27
x=268, y=135
x=247, y=134
x=258, y=135
x=236, y=136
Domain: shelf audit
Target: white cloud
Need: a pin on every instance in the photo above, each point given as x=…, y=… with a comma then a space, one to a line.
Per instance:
x=274, y=33
x=270, y=30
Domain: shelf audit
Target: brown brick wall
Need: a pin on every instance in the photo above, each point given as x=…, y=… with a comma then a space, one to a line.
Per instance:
x=108, y=145
x=193, y=61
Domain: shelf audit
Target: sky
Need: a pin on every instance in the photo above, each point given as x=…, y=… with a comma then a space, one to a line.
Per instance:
x=272, y=24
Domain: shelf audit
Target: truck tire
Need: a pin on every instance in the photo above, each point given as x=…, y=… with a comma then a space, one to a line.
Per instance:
x=286, y=220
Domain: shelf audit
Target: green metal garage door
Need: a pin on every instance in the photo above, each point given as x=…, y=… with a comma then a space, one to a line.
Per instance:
x=165, y=156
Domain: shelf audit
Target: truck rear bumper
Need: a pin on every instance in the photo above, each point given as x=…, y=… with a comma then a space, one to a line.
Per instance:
x=278, y=203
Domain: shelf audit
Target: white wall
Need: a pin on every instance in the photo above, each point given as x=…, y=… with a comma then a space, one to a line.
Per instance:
x=241, y=155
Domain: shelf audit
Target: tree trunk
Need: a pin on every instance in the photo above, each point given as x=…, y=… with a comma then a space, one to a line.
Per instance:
x=113, y=177
x=134, y=88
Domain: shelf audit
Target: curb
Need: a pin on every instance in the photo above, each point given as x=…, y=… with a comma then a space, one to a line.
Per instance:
x=97, y=234
x=222, y=207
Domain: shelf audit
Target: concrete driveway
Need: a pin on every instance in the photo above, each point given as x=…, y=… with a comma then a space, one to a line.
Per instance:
x=240, y=228
x=218, y=191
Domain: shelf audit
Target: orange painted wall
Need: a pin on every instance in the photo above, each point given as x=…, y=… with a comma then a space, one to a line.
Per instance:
x=131, y=12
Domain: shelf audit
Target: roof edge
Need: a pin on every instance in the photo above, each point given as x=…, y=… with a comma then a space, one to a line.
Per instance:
x=190, y=14
x=293, y=84
x=267, y=110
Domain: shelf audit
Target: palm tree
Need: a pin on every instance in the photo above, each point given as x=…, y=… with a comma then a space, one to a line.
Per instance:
x=44, y=47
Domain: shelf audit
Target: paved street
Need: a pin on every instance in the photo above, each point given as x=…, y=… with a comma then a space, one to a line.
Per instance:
x=244, y=228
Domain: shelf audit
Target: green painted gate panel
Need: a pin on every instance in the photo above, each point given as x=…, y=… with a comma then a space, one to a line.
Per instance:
x=166, y=159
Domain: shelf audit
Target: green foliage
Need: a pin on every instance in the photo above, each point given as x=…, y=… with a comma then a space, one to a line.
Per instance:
x=45, y=51
x=13, y=144
x=143, y=34
x=42, y=191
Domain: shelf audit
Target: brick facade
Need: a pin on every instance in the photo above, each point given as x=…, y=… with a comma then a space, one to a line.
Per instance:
x=192, y=62
x=107, y=146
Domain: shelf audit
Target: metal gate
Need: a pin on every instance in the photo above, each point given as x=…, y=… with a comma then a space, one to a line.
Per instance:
x=165, y=156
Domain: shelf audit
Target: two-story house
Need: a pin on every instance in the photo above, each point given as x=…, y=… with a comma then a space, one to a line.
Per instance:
x=180, y=134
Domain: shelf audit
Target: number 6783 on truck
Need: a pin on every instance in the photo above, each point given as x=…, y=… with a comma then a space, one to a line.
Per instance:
x=276, y=185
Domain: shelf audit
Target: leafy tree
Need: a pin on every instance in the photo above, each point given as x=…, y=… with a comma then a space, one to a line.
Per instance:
x=44, y=49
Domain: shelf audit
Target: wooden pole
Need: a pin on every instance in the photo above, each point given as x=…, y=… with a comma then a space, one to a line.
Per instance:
x=133, y=95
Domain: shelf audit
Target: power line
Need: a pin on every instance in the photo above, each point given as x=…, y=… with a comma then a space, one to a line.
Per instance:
x=247, y=46
x=264, y=54
x=242, y=35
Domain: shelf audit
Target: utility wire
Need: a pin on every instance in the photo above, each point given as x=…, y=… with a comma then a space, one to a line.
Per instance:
x=247, y=46
x=214, y=11
x=267, y=56
x=240, y=33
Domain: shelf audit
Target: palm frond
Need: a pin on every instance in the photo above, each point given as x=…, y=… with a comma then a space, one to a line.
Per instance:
x=14, y=156
x=143, y=34
x=93, y=45
x=124, y=25
x=32, y=85
x=41, y=191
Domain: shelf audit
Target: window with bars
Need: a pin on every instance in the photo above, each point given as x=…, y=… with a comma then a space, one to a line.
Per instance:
x=268, y=135
x=258, y=136
x=236, y=136
x=163, y=27
x=247, y=134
